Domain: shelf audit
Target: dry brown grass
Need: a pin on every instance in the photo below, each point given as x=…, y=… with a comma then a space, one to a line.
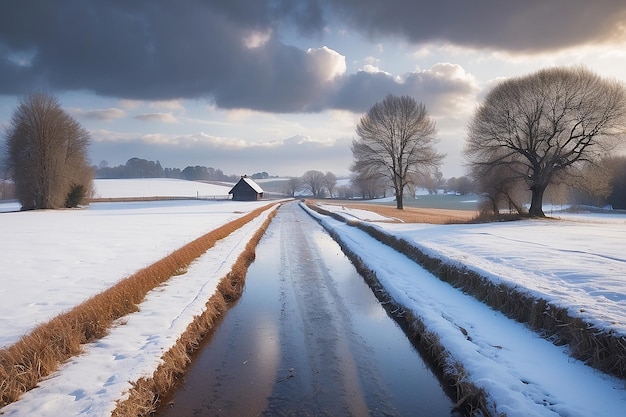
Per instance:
x=470, y=399
x=146, y=393
x=602, y=350
x=413, y=214
x=40, y=353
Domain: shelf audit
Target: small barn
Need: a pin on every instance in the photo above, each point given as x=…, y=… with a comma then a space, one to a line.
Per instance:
x=246, y=190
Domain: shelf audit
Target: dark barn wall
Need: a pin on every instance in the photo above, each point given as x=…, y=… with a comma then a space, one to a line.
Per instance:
x=243, y=192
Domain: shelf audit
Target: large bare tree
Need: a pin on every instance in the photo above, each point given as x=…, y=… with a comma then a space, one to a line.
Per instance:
x=542, y=127
x=396, y=140
x=47, y=155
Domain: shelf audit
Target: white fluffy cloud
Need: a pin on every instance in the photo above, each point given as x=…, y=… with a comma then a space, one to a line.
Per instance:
x=328, y=63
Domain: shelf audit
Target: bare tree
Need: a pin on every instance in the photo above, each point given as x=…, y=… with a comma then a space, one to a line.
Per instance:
x=430, y=183
x=396, y=140
x=595, y=180
x=314, y=182
x=369, y=185
x=500, y=188
x=617, y=196
x=47, y=155
x=461, y=185
x=543, y=127
x=330, y=182
x=292, y=186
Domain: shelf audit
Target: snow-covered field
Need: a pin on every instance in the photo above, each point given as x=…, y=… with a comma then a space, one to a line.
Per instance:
x=149, y=187
x=52, y=260
x=578, y=263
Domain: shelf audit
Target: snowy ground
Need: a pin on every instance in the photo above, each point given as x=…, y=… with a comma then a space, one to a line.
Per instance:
x=578, y=263
x=54, y=259
x=150, y=187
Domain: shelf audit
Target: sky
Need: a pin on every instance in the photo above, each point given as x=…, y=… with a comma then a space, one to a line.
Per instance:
x=279, y=85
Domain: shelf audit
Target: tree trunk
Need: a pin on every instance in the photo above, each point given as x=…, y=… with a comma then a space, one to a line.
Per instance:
x=536, y=203
x=399, y=198
x=399, y=189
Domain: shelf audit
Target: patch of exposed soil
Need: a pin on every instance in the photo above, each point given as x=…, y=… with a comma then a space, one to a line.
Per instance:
x=414, y=214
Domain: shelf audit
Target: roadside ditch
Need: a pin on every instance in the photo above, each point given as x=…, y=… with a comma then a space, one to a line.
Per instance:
x=470, y=399
x=599, y=349
x=146, y=393
x=36, y=355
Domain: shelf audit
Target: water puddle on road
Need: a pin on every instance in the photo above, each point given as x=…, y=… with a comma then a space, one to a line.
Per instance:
x=307, y=338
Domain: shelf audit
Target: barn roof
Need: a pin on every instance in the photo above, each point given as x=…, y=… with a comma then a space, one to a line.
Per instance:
x=256, y=187
x=250, y=182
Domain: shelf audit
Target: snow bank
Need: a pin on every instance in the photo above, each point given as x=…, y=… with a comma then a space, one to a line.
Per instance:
x=521, y=373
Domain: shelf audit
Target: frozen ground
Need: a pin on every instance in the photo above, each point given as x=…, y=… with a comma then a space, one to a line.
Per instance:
x=163, y=187
x=55, y=259
x=578, y=264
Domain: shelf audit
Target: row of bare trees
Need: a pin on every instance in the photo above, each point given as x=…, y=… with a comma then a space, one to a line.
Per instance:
x=143, y=168
x=602, y=183
x=542, y=130
x=547, y=129
x=315, y=183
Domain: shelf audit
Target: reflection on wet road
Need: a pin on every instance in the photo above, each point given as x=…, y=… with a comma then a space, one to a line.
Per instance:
x=307, y=338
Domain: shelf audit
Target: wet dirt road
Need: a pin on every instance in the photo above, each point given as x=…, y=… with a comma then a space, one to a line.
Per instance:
x=307, y=338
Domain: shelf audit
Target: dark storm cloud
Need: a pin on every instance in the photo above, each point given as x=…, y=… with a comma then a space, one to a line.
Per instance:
x=275, y=78
x=514, y=26
x=439, y=88
x=198, y=49
x=156, y=50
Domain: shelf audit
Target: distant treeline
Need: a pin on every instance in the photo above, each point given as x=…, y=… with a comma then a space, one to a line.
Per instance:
x=142, y=168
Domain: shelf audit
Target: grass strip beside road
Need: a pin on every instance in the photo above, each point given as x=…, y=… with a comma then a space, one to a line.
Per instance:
x=469, y=398
x=597, y=348
x=146, y=394
x=409, y=214
x=36, y=355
